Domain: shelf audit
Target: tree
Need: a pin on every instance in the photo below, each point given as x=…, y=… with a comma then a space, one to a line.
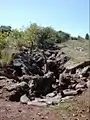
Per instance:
x=80, y=38
x=5, y=29
x=87, y=37
x=62, y=36
x=31, y=34
x=47, y=37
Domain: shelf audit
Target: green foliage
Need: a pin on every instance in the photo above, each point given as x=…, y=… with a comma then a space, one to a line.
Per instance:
x=3, y=44
x=40, y=37
x=32, y=37
x=31, y=34
x=16, y=39
x=87, y=37
x=16, y=34
x=47, y=37
x=4, y=33
x=5, y=29
x=62, y=36
x=74, y=38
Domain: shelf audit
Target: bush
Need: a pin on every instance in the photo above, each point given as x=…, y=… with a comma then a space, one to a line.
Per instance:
x=3, y=44
x=47, y=37
x=62, y=37
x=74, y=38
x=32, y=37
x=6, y=56
x=87, y=37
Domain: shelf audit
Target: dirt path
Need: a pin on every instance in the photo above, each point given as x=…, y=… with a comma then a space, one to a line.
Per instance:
x=16, y=111
x=77, y=109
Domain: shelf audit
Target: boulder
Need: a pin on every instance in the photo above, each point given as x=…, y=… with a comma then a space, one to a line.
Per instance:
x=85, y=71
x=54, y=100
x=64, y=80
x=40, y=77
x=81, y=85
x=25, y=78
x=43, y=84
x=2, y=77
x=24, y=99
x=36, y=103
x=88, y=83
x=52, y=57
x=59, y=54
x=47, y=53
x=64, y=59
x=69, y=92
x=15, y=91
x=50, y=95
x=53, y=67
x=66, y=98
x=5, y=82
x=78, y=66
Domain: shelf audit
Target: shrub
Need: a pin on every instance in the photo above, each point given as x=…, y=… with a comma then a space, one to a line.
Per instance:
x=47, y=37
x=87, y=37
x=6, y=56
x=62, y=36
x=3, y=44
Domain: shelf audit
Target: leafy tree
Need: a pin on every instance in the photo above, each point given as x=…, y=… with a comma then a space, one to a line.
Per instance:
x=87, y=37
x=62, y=36
x=47, y=37
x=80, y=38
x=40, y=36
x=16, y=34
x=74, y=38
x=30, y=34
x=5, y=29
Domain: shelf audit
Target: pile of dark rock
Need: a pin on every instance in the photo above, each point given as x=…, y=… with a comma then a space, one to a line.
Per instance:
x=41, y=78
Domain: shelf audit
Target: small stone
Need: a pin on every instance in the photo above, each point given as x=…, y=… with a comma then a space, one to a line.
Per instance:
x=42, y=117
x=74, y=115
x=39, y=114
x=46, y=117
x=50, y=95
x=19, y=110
x=76, y=119
x=24, y=99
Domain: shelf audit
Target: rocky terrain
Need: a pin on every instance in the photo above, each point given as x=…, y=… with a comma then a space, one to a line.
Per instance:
x=40, y=77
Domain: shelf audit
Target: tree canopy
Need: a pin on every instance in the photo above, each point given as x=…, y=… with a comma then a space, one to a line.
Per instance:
x=87, y=37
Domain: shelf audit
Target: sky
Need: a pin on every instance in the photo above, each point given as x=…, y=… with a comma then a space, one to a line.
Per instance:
x=70, y=16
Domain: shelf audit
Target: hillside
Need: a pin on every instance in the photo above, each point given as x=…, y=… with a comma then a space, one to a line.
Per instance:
x=42, y=67
x=78, y=50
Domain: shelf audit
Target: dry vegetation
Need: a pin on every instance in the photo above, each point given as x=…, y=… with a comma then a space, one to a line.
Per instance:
x=78, y=50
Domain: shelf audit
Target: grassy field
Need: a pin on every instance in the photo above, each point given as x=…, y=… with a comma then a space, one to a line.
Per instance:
x=78, y=50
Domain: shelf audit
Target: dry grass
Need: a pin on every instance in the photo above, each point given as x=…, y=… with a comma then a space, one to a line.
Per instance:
x=6, y=56
x=78, y=50
x=75, y=109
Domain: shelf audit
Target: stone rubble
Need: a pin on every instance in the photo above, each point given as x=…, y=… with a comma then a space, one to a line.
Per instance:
x=41, y=78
